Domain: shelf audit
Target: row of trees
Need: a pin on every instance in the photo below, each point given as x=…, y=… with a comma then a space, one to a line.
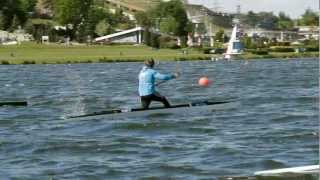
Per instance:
x=14, y=13
x=168, y=18
x=82, y=18
x=269, y=21
x=89, y=18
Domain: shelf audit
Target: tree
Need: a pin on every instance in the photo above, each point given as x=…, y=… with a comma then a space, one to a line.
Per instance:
x=201, y=29
x=219, y=36
x=247, y=42
x=39, y=28
x=95, y=16
x=284, y=22
x=44, y=8
x=102, y=28
x=13, y=13
x=15, y=23
x=251, y=19
x=74, y=13
x=147, y=37
x=85, y=15
x=309, y=18
x=29, y=5
x=1, y=21
x=172, y=18
x=143, y=19
x=261, y=42
x=122, y=21
x=118, y=16
x=169, y=26
x=268, y=20
x=154, y=40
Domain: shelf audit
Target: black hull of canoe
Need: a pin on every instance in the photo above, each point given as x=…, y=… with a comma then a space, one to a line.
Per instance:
x=117, y=111
x=14, y=103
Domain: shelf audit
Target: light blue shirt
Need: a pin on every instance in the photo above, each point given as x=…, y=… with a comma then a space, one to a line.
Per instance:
x=147, y=78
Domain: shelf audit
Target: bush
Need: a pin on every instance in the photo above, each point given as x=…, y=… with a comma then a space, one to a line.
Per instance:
x=88, y=61
x=311, y=43
x=250, y=50
x=147, y=37
x=5, y=62
x=283, y=43
x=312, y=49
x=29, y=62
x=213, y=50
x=219, y=51
x=259, y=51
x=268, y=56
x=207, y=50
x=168, y=42
x=154, y=41
x=282, y=49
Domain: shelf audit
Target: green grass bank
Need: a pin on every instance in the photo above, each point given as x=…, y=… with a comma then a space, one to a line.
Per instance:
x=32, y=53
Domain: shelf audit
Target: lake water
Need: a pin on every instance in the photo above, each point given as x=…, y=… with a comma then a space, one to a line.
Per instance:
x=275, y=125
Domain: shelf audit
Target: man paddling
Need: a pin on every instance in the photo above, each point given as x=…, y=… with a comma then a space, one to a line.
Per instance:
x=147, y=77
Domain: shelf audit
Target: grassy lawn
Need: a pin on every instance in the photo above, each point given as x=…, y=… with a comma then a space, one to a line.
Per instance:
x=32, y=53
x=53, y=53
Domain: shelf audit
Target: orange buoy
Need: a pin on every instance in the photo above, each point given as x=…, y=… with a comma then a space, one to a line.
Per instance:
x=204, y=82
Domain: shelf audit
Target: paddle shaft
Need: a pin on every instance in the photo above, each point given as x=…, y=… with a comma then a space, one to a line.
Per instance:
x=161, y=82
x=178, y=71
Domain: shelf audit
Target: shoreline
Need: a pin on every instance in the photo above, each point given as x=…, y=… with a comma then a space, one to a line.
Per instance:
x=126, y=60
x=31, y=53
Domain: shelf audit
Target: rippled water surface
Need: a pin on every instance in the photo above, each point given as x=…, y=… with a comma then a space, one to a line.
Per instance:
x=275, y=124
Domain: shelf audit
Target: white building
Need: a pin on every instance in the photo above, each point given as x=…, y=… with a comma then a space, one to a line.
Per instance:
x=18, y=36
x=128, y=36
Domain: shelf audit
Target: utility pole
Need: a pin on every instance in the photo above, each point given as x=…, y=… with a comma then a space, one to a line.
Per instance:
x=238, y=11
x=215, y=9
x=216, y=6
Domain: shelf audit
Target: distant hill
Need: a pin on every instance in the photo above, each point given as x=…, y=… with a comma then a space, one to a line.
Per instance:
x=218, y=19
x=208, y=16
x=145, y=4
x=134, y=5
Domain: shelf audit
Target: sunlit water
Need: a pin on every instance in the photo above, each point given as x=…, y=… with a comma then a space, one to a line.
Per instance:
x=275, y=125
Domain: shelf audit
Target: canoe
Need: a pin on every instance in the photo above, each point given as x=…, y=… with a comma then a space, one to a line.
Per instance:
x=173, y=108
x=311, y=169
